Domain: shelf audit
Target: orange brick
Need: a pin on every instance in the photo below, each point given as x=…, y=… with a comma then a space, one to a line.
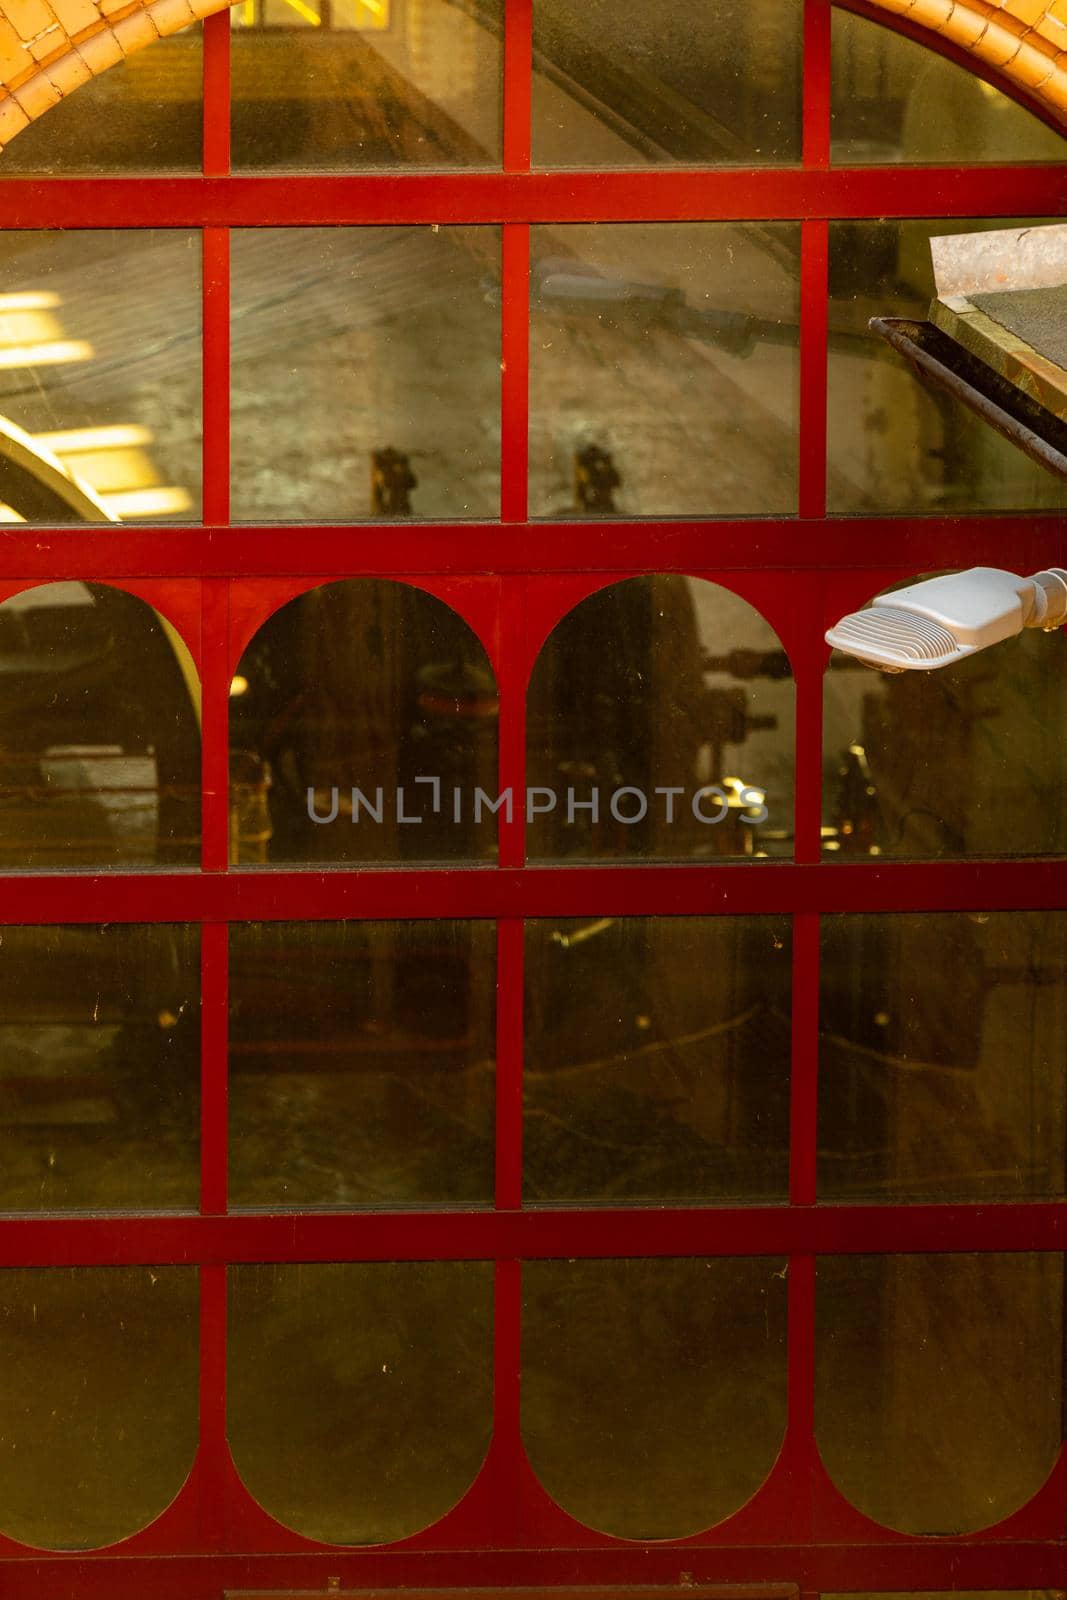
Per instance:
x=100, y=51
x=12, y=119
x=28, y=17
x=170, y=16
x=37, y=95
x=1031, y=67
x=14, y=57
x=46, y=44
x=68, y=73
x=134, y=32
x=74, y=15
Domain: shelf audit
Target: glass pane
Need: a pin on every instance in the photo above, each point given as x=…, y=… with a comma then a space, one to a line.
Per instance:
x=346, y=698
x=99, y=732
x=660, y=724
x=333, y=85
x=362, y=1063
x=105, y=382
x=653, y=1400
x=958, y=762
x=896, y=445
x=895, y=100
x=145, y=113
x=377, y=393
x=941, y=1059
x=657, y=1059
x=99, y=1068
x=99, y=1404
x=939, y=1384
x=711, y=85
x=670, y=348
x=360, y=1397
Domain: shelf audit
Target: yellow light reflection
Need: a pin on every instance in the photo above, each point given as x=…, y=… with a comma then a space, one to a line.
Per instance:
x=54, y=354
x=30, y=300
x=304, y=11
x=9, y=514
x=76, y=441
x=163, y=502
x=238, y=687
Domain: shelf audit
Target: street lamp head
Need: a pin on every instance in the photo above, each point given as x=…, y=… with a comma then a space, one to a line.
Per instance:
x=944, y=620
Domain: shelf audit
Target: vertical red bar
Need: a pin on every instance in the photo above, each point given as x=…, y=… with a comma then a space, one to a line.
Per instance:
x=518, y=80
x=804, y=1078
x=808, y=656
x=515, y=267
x=801, y=1402
x=817, y=38
x=514, y=372
x=217, y=94
x=214, y=1097
x=509, y=1044
x=216, y=376
x=511, y=688
x=213, y=1454
x=814, y=296
x=214, y=730
x=506, y=1451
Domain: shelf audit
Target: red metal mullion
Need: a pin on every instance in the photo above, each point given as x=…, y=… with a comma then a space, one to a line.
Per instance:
x=214, y=725
x=213, y=1454
x=509, y=1054
x=518, y=78
x=214, y=1040
x=535, y=1234
x=817, y=35
x=216, y=376
x=514, y=372
x=217, y=94
x=814, y=309
x=649, y=195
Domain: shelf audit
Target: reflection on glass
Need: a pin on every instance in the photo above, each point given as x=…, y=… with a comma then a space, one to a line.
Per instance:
x=657, y=1059
x=106, y=384
x=939, y=1384
x=361, y=1063
x=360, y=1397
x=896, y=100
x=366, y=373
x=373, y=708
x=144, y=113
x=99, y=1404
x=958, y=762
x=896, y=445
x=660, y=723
x=99, y=1067
x=941, y=1059
x=99, y=732
x=616, y=84
x=671, y=349
x=653, y=1400
x=333, y=85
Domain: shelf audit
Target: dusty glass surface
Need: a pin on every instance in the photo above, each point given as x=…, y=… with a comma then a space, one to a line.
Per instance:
x=362, y=1063
x=617, y=83
x=359, y=1397
x=939, y=1384
x=672, y=349
x=345, y=699
x=657, y=1059
x=941, y=1056
x=337, y=85
x=660, y=724
x=144, y=114
x=893, y=100
x=351, y=347
x=99, y=1404
x=896, y=445
x=653, y=1400
x=99, y=732
x=107, y=385
x=99, y=1067
x=958, y=762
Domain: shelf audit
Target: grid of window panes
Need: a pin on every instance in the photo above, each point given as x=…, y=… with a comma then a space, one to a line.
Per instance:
x=509, y=1053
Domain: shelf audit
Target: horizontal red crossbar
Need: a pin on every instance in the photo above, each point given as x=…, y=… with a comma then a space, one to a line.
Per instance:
x=741, y=888
x=652, y=195
x=1022, y=541
x=447, y=1235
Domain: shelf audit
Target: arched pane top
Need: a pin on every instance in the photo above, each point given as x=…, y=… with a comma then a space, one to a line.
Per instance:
x=894, y=100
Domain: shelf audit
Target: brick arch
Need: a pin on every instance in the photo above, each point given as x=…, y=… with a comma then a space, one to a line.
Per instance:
x=48, y=48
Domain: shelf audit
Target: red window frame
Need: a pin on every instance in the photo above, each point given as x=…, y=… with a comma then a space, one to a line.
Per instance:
x=512, y=580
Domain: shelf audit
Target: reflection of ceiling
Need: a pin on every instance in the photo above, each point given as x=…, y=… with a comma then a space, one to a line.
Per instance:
x=48, y=48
